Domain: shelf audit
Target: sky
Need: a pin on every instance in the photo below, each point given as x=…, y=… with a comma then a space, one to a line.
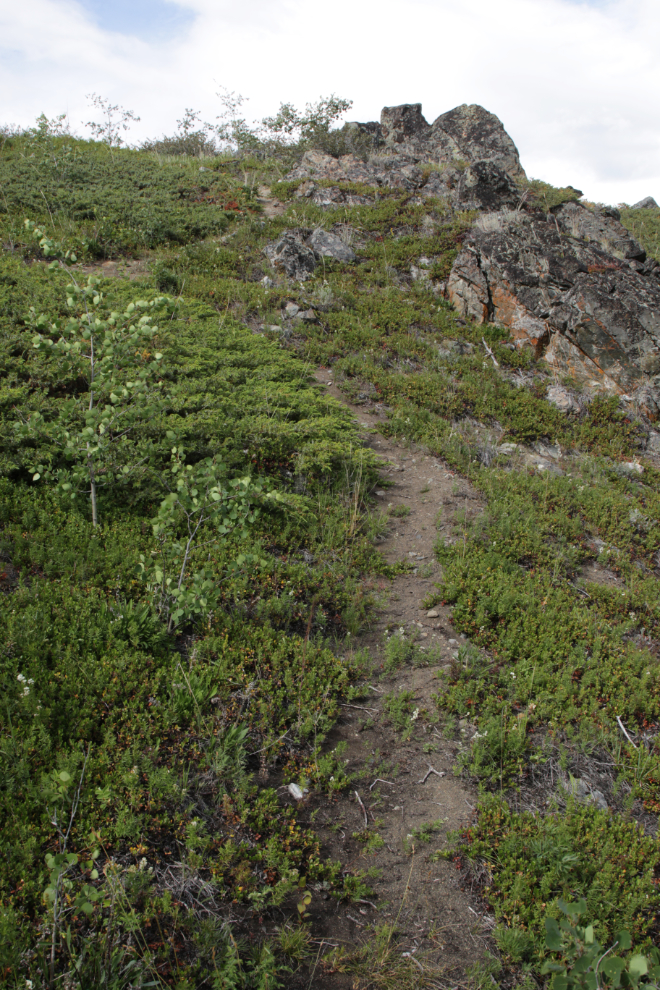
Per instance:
x=575, y=82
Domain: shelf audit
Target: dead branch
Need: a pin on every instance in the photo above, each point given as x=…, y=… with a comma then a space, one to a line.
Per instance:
x=489, y=352
x=623, y=729
x=438, y=773
x=366, y=820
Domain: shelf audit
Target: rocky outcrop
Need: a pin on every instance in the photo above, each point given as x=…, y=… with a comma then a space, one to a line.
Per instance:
x=570, y=283
x=466, y=134
x=575, y=287
x=465, y=157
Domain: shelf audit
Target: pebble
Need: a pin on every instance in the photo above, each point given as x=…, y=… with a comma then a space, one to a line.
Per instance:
x=432, y=614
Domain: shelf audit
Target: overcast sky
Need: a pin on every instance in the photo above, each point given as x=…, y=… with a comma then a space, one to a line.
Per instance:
x=576, y=84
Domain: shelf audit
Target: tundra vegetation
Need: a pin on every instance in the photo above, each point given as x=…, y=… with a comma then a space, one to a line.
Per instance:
x=186, y=550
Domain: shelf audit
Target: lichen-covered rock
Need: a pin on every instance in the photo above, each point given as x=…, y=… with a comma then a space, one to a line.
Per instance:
x=478, y=135
x=291, y=256
x=297, y=251
x=573, y=281
x=328, y=245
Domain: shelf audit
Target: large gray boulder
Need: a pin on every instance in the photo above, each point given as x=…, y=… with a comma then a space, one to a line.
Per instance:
x=291, y=256
x=296, y=253
x=478, y=136
x=328, y=245
x=648, y=203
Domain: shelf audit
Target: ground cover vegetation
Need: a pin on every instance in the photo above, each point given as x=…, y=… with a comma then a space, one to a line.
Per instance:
x=181, y=627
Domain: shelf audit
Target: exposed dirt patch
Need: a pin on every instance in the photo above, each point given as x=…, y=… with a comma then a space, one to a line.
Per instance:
x=130, y=268
x=439, y=922
x=271, y=206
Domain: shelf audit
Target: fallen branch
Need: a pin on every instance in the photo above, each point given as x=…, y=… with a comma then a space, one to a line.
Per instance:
x=409, y=955
x=379, y=780
x=361, y=901
x=366, y=820
x=623, y=729
x=438, y=773
x=359, y=708
x=489, y=352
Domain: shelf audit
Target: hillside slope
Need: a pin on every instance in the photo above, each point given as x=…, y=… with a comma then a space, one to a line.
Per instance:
x=334, y=339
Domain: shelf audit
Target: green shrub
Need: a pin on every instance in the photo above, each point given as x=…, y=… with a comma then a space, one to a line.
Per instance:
x=535, y=861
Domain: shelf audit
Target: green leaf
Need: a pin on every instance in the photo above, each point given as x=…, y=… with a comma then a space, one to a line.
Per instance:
x=552, y=935
x=624, y=940
x=638, y=966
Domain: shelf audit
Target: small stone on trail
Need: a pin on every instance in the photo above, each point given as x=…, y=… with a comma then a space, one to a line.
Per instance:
x=380, y=494
x=295, y=792
x=432, y=614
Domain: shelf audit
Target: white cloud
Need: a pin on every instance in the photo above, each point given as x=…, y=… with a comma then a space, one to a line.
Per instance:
x=575, y=84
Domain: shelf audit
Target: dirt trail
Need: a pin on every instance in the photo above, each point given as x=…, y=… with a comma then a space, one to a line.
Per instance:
x=443, y=925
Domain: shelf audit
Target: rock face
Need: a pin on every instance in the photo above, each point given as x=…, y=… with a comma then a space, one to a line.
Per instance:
x=575, y=287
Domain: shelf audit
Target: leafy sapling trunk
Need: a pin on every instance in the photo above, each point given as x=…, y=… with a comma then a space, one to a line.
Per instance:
x=202, y=506
x=115, y=355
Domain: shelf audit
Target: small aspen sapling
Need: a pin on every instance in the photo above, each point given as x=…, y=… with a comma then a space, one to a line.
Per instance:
x=202, y=504
x=115, y=354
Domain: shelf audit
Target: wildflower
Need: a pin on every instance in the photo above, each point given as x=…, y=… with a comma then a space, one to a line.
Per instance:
x=415, y=715
x=27, y=682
